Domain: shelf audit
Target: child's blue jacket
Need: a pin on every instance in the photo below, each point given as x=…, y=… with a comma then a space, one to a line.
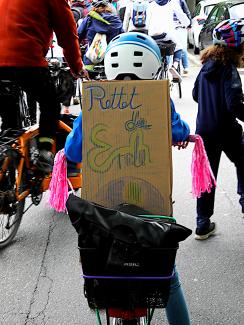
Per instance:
x=73, y=145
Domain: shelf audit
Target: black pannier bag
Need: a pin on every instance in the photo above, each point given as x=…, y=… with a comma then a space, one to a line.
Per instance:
x=127, y=259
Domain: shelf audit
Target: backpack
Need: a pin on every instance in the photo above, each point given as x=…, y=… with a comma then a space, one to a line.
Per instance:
x=139, y=13
x=78, y=13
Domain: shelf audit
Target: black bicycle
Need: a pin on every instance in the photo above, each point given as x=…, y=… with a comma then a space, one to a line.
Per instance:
x=177, y=81
x=167, y=49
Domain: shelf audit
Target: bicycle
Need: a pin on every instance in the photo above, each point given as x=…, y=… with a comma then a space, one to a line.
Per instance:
x=19, y=178
x=177, y=81
x=167, y=49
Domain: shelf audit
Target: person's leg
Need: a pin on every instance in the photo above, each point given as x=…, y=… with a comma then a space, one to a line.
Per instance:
x=176, y=309
x=9, y=100
x=66, y=105
x=9, y=111
x=184, y=58
x=177, y=58
x=32, y=105
x=66, y=89
x=240, y=174
x=76, y=100
x=234, y=149
x=185, y=62
x=176, y=62
x=38, y=83
x=205, y=204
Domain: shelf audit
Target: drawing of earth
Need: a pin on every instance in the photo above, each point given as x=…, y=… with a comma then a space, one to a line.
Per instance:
x=133, y=191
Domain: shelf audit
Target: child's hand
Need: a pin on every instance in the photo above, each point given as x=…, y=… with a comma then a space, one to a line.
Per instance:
x=181, y=144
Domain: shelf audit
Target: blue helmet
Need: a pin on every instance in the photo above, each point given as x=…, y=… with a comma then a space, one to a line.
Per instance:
x=132, y=54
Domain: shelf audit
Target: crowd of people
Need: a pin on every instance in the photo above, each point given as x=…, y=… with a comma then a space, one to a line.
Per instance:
x=114, y=17
x=24, y=43
x=143, y=16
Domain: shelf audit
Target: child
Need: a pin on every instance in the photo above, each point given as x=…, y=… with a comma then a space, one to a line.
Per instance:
x=121, y=67
x=218, y=92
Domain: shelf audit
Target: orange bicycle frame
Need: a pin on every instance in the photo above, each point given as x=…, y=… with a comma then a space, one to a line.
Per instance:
x=21, y=146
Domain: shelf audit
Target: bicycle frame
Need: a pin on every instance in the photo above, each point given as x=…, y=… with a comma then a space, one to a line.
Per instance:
x=21, y=145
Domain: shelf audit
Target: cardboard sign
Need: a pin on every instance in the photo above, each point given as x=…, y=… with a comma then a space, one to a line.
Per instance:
x=127, y=144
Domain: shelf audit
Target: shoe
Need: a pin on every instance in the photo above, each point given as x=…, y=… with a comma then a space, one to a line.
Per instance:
x=205, y=233
x=175, y=74
x=45, y=161
x=241, y=201
x=76, y=101
x=185, y=71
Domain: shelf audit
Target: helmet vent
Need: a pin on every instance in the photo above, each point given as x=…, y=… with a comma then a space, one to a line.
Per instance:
x=114, y=54
x=141, y=37
x=115, y=65
x=138, y=53
x=137, y=65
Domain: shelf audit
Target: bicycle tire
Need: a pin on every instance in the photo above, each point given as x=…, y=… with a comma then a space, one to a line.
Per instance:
x=23, y=113
x=179, y=89
x=179, y=83
x=10, y=219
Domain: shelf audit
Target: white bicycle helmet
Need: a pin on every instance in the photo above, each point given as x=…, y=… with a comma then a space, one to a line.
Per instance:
x=132, y=55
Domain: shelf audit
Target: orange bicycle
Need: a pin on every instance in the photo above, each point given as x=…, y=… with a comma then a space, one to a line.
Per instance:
x=19, y=177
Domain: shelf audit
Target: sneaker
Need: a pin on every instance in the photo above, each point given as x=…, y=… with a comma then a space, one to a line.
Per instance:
x=185, y=71
x=45, y=161
x=175, y=74
x=205, y=233
x=241, y=201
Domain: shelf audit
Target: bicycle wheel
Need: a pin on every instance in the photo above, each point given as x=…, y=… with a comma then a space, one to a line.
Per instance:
x=24, y=113
x=11, y=211
x=179, y=82
x=179, y=89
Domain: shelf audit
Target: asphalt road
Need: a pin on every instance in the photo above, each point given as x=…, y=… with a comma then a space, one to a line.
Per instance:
x=40, y=274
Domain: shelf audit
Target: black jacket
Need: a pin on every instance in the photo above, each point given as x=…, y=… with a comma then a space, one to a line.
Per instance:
x=218, y=92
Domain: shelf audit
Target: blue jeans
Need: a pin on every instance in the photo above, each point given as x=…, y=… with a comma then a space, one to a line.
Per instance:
x=176, y=310
x=184, y=59
x=177, y=56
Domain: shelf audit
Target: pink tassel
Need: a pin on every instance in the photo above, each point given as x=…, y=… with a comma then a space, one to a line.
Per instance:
x=59, y=183
x=202, y=176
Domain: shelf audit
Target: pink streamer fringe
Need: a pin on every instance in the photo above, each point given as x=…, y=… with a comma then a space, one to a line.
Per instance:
x=59, y=183
x=202, y=176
